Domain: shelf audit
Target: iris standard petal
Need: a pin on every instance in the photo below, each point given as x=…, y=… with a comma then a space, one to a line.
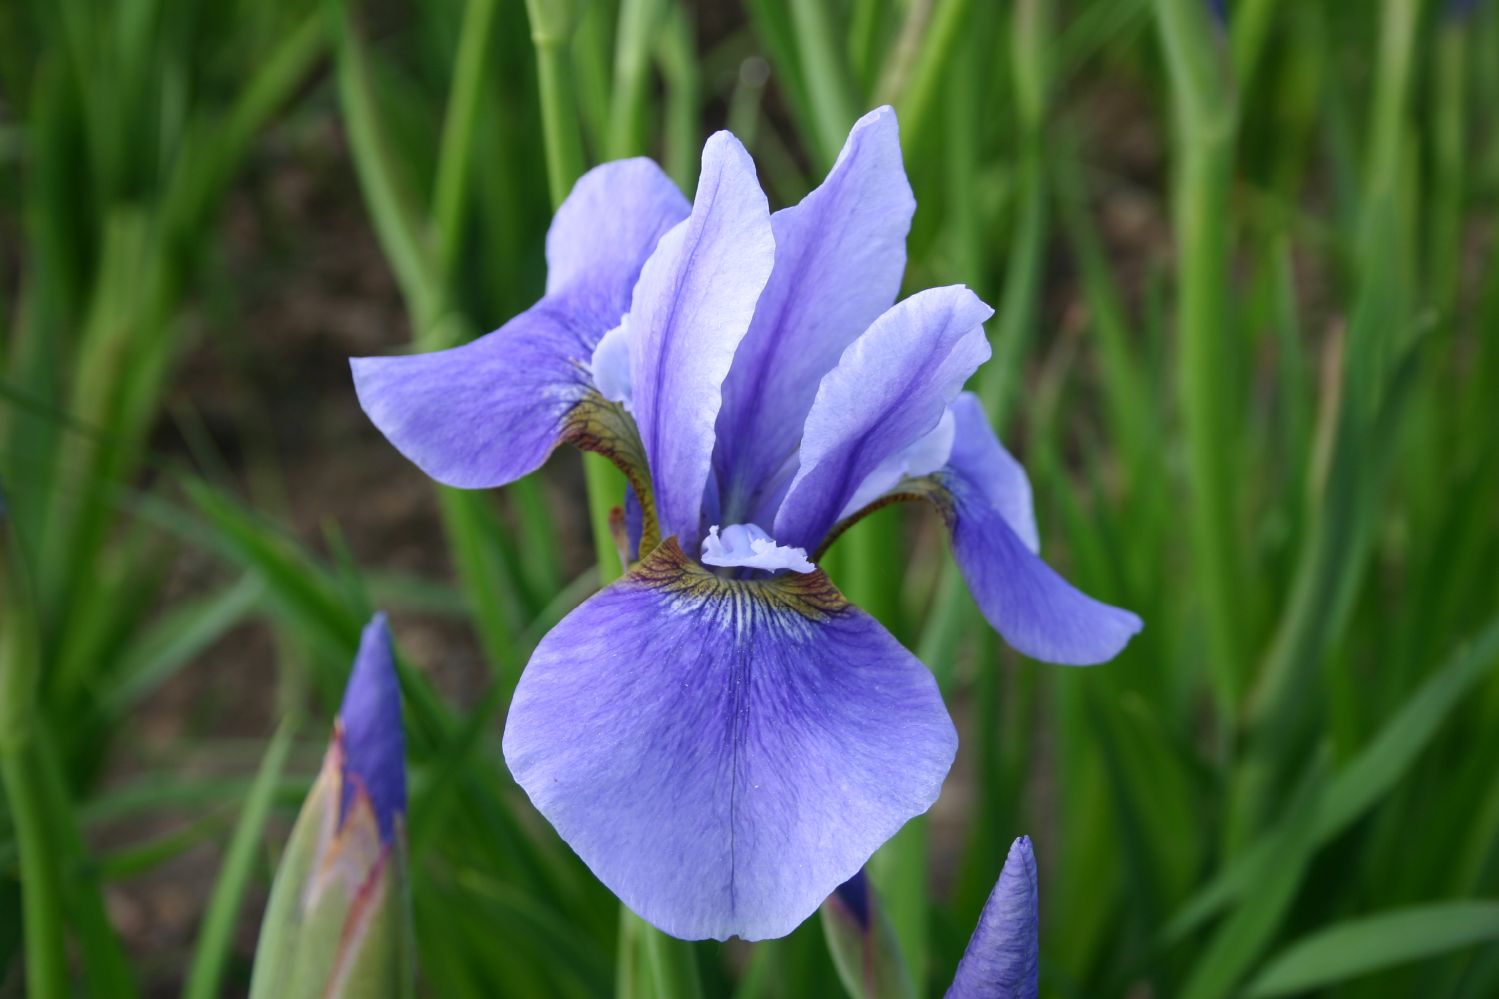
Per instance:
x=1003, y=956
x=839, y=257
x=890, y=388
x=490, y=411
x=690, y=309
x=723, y=754
x=1035, y=609
x=374, y=749
x=610, y=222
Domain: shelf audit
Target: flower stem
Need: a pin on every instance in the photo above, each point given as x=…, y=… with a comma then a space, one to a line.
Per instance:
x=21, y=771
x=551, y=30
x=454, y=162
x=1206, y=382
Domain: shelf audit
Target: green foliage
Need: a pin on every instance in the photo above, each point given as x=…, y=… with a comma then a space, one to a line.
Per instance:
x=1247, y=288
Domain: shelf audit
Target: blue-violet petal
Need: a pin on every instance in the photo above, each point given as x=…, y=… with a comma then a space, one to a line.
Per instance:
x=724, y=754
x=1003, y=956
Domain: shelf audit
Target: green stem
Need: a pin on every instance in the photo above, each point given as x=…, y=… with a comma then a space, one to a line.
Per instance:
x=21, y=771
x=638, y=21
x=1206, y=386
x=455, y=160
x=672, y=964
x=551, y=32
x=41, y=880
x=827, y=83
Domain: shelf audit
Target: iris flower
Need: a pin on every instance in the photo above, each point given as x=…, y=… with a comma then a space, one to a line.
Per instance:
x=720, y=735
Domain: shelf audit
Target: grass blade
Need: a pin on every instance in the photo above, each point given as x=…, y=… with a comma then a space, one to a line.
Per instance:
x=1362, y=946
x=206, y=972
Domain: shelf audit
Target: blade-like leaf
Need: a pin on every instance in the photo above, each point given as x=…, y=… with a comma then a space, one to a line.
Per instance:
x=1360, y=946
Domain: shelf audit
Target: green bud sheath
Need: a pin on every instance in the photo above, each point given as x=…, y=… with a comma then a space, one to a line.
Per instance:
x=338, y=921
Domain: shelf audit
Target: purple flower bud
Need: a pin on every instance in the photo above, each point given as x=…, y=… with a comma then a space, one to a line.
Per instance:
x=337, y=922
x=369, y=724
x=854, y=895
x=1002, y=959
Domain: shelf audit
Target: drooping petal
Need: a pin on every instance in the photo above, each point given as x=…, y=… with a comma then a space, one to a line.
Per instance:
x=490, y=411
x=985, y=498
x=723, y=754
x=839, y=257
x=978, y=455
x=888, y=390
x=690, y=309
x=1003, y=956
x=374, y=748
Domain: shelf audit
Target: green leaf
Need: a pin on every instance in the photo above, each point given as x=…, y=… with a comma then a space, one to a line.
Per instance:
x=1244, y=934
x=184, y=633
x=1364, y=780
x=205, y=975
x=1360, y=946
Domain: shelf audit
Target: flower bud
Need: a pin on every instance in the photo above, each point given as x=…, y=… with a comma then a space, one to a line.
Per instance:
x=863, y=944
x=338, y=920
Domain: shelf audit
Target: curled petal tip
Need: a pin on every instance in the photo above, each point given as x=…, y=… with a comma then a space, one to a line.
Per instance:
x=374, y=747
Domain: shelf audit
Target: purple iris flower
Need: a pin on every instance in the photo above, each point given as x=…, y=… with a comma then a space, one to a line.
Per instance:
x=1002, y=959
x=720, y=735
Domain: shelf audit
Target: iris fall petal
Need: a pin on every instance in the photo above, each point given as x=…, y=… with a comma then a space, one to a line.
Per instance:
x=490, y=411
x=724, y=754
x=985, y=498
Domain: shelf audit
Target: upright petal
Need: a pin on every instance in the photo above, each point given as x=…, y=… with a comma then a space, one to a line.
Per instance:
x=691, y=307
x=1002, y=959
x=889, y=389
x=490, y=411
x=985, y=498
x=374, y=747
x=723, y=754
x=839, y=258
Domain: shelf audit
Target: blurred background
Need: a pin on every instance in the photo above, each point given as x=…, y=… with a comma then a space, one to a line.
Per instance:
x=1247, y=345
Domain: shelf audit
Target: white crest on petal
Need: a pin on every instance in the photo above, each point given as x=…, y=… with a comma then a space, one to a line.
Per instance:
x=748, y=546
